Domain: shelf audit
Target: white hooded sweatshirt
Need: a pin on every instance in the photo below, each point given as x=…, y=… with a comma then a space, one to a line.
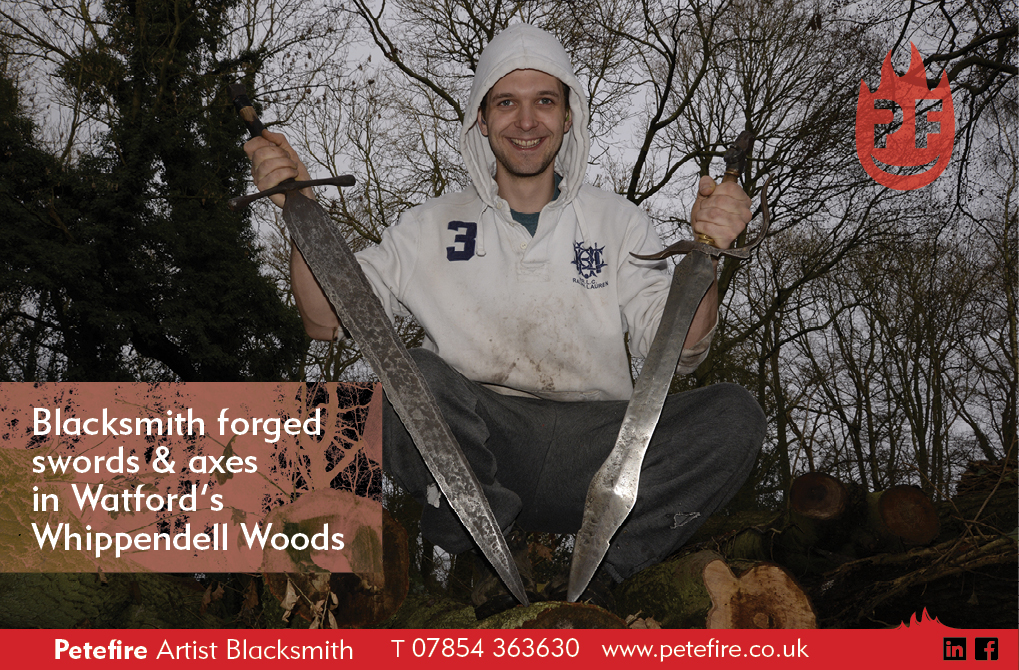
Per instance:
x=543, y=316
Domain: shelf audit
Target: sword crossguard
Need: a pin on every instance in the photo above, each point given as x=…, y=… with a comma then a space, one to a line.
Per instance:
x=287, y=186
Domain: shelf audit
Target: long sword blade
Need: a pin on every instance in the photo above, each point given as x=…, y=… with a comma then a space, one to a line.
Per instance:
x=613, y=490
x=343, y=282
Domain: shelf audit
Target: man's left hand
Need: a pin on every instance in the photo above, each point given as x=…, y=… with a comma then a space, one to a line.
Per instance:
x=721, y=212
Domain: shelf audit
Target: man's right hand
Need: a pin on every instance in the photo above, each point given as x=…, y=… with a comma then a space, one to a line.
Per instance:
x=273, y=160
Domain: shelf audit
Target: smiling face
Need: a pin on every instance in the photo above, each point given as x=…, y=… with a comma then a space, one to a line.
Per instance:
x=525, y=116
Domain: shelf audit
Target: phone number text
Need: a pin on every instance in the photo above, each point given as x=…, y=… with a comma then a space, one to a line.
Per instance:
x=463, y=647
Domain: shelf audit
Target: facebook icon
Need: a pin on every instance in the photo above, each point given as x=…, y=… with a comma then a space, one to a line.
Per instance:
x=955, y=649
x=985, y=649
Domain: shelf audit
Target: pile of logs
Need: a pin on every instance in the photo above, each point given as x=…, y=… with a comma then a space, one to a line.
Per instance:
x=838, y=557
x=829, y=523
x=874, y=559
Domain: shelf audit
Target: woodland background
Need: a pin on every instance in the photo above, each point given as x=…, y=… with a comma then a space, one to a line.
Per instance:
x=877, y=328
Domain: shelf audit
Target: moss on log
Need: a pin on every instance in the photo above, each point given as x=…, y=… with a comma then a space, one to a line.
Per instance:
x=699, y=590
x=120, y=600
x=431, y=611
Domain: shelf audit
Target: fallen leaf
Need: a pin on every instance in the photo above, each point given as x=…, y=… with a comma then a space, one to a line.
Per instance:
x=289, y=600
x=251, y=598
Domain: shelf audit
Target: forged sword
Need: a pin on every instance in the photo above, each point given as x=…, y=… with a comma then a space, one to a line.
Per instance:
x=613, y=490
x=344, y=283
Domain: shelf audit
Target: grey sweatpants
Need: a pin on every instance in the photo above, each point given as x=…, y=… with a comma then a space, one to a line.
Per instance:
x=535, y=459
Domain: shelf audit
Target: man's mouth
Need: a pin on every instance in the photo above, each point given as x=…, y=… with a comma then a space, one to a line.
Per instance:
x=526, y=144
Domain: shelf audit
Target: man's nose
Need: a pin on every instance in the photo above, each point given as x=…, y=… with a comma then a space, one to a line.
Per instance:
x=527, y=118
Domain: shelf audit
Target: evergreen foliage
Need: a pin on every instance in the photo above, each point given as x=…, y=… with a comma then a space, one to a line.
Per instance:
x=126, y=263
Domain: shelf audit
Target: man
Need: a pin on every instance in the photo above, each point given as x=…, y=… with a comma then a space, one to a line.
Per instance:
x=525, y=288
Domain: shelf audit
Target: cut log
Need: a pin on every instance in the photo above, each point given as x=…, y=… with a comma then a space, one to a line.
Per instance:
x=700, y=590
x=765, y=596
x=816, y=495
x=902, y=517
x=361, y=607
x=818, y=531
x=303, y=581
x=838, y=522
x=828, y=523
x=812, y=536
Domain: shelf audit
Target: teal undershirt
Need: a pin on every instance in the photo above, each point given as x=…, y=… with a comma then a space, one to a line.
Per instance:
x=530, y=221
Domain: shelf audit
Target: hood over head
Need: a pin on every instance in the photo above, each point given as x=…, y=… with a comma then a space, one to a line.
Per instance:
x=524, y=47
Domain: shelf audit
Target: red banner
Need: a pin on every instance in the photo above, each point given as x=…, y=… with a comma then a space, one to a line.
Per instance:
x=922, y=645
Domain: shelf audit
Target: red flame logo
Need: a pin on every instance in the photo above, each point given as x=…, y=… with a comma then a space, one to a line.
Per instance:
x=909, y=93
x=921, y=618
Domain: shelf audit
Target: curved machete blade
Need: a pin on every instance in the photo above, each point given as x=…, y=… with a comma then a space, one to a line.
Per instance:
x=613, y=490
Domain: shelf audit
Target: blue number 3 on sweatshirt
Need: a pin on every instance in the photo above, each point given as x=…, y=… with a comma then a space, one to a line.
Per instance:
x=466, y=252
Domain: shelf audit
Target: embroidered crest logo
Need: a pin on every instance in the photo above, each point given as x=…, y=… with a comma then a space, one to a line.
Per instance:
x=588, y=259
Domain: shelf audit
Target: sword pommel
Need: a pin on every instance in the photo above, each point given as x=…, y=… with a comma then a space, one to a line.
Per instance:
x=735, y=156
x=245, y=110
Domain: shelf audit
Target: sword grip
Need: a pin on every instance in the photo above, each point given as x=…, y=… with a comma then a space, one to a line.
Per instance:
x=245, y=110
x=250, y=118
